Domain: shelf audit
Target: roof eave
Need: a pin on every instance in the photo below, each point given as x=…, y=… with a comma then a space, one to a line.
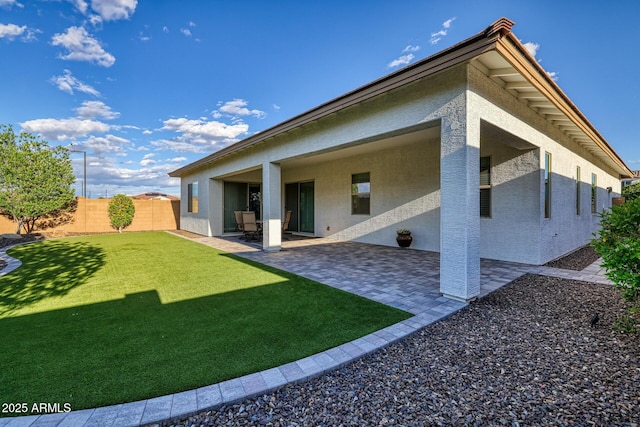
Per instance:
x=450, y=57
x=519, y=57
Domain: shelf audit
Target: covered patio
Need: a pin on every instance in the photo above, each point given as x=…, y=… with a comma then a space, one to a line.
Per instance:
x=403, y=278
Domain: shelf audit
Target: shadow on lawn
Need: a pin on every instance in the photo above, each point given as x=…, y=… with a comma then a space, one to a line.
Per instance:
x=137, y=347
x=48, y=269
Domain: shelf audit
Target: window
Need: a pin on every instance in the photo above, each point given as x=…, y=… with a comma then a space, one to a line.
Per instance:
x=485, y=187
x=360, y=194
x=578, y=190
x=594, y=193
x=192, y=197
x=547, y=185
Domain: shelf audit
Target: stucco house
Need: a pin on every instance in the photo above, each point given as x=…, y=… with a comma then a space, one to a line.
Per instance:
x=475, y=149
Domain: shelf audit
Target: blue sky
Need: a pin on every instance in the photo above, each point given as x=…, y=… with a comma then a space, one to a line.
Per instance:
x=145, y=87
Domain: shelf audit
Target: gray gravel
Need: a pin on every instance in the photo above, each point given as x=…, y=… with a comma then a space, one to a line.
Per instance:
x=577, y=260
x=524, y=355
x=4, y=242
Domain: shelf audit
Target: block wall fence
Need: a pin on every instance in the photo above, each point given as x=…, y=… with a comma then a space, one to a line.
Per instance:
x=91, y=216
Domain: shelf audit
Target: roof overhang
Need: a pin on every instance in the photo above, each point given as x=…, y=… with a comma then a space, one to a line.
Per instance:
x=502, y=57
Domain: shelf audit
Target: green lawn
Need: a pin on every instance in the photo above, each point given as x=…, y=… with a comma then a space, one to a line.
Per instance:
x=115, y=318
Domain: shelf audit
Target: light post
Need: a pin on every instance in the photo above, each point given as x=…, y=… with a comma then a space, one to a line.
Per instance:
x=84, y=180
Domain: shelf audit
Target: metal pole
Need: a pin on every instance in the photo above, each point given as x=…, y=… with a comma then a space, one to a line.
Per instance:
x=84, y=181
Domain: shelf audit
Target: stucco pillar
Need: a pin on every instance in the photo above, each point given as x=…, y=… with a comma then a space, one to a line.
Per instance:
x=271, y=207
x=460, y=202
x=216, y=208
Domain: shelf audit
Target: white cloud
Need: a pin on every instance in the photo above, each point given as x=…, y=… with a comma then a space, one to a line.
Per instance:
x=532, y=48
x=68, y=83
x=437, y=36
x=403, y=60
x=165, y=29
x=147, y=162
x=81, y=5
x=183, y=146
x=186, y=32
x=203, y=130
x=63, y=129
x=192, y=24
x=112, y=10
x=11, y=31
x=107, y=173
x=147, y=132
x=237, y=107
x=95, y=109
x=276, y=107
x=177, y=160
x=411, y=48
x=105, y=144
x=82, y=47
x=8, y=3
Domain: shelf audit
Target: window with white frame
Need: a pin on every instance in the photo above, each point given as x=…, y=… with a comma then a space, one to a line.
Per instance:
x=547, y=185
x=192, y=197
x=361, y=194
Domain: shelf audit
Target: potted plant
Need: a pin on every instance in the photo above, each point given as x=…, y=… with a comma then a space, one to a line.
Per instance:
x=403, y=237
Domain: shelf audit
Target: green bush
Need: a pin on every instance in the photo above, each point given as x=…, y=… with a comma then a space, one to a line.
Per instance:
x=631, y=192
x=618, y=242
x=121, y=211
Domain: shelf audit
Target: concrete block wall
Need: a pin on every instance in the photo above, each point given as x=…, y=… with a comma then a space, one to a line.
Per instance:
x=92, y=216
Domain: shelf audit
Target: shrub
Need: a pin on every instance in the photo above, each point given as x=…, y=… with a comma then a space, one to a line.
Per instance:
x=631, y=192
x=121, y=211
x=618, y=242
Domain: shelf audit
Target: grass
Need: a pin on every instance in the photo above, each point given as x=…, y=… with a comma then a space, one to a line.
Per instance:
x=107, y=319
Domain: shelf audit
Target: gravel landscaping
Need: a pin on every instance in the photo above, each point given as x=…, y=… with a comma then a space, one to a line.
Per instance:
x=5, y=241
x=524, y=355
x=577, y=260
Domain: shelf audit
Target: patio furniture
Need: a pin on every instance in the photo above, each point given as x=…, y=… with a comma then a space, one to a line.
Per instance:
x=287, y=220
x=238, y=217
x=250, y=226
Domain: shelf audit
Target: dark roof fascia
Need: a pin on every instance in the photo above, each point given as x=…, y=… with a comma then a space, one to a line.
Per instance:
x=447, y=58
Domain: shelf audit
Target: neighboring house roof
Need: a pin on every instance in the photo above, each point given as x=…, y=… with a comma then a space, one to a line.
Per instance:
x=156, y=196
x=501, y=56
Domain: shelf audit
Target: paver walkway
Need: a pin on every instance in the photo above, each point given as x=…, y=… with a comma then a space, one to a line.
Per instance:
x=403, y=278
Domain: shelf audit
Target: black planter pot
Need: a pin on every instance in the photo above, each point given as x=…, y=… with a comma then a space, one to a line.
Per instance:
x=404, y=240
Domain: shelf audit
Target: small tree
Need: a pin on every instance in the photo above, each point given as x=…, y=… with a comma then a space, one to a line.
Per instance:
x=619, y=244
x=35, y=179
x=121, y=211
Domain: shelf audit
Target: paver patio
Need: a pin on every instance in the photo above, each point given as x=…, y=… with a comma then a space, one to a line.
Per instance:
x=403, y=278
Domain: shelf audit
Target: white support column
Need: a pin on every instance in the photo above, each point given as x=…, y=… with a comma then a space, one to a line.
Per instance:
x=216, y=209
x=460, y=202
x=271, y=207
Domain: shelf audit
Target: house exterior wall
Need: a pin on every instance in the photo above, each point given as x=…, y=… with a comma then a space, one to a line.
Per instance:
x=405, y=193
x=410, y=106
x=405, y=182
x=515, y=204
x=564, y=230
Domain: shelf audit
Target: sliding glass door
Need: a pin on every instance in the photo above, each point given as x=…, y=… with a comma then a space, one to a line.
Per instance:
x=299, y=199
x=240, y=196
